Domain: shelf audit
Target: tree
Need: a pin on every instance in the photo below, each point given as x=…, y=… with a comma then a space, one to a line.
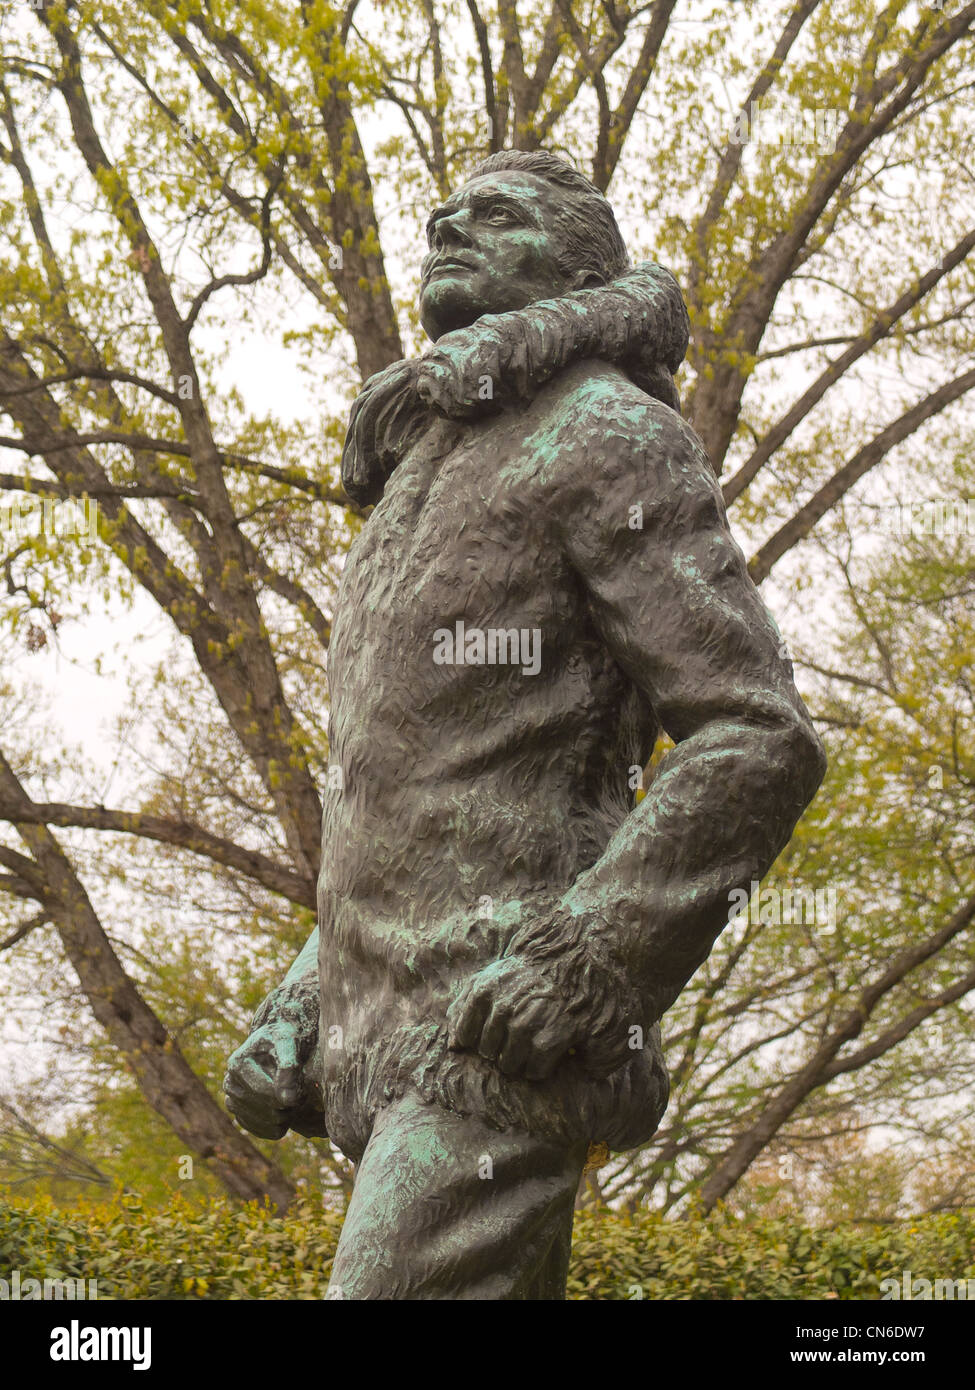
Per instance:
x=175, y=173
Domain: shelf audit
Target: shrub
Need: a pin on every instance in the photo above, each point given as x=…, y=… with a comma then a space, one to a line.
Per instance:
x=216, y=1250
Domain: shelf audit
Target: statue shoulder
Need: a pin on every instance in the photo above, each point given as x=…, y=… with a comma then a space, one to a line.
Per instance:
x=603, y=425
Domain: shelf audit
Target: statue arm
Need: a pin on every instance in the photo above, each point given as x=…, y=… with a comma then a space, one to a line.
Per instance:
x=675, y=606
x=638, y=321
x=304, y=969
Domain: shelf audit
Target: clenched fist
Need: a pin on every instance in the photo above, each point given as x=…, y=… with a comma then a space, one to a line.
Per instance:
x=272, y=1082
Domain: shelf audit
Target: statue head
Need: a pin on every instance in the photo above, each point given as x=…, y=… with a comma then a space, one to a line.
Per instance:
x=525, y=226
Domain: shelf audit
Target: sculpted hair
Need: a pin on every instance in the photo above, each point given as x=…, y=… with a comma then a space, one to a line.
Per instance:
x=591, y=239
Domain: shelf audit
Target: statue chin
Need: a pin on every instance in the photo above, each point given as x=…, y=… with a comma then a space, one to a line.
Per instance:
x=448, y=303
x=457, y=297
x=442, y=314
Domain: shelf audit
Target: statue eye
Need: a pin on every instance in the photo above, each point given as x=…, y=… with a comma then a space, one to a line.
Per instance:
x=501, y=214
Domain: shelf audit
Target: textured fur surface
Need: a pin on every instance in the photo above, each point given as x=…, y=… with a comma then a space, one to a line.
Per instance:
x=638, y=321
x=485, y=813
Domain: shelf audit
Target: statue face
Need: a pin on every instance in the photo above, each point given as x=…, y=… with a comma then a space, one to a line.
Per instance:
x=493, y=247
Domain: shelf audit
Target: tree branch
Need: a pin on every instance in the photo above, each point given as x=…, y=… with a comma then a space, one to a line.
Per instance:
x=167, y=1081
x=23, y=930
x=181, y=834
x=880, y=328
x=803, y=521
x=813, y=1074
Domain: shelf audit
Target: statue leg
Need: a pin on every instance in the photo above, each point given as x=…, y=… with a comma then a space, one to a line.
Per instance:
x=445, y=1207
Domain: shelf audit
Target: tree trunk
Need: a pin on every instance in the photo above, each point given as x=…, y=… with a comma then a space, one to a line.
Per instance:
x=164, y=1076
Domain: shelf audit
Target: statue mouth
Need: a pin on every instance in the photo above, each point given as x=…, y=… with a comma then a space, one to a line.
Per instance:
x=448, y=263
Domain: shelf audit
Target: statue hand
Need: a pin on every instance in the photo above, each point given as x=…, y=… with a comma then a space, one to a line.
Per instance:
x=272, y=1082
x=466, y=373
x=549, y=996
x=512, y=1015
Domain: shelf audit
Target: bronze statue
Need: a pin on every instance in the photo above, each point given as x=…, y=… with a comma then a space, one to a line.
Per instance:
x=547, y=581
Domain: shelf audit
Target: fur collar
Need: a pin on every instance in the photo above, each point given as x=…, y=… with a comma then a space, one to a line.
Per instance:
x=638, y=321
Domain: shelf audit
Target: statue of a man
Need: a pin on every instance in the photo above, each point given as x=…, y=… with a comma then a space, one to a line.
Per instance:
x=547, y=581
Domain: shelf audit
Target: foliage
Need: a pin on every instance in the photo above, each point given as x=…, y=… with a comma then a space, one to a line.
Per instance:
x=220, y=1251
x=216, y=1250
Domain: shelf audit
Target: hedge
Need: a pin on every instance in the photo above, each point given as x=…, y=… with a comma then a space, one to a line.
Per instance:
x=216, y=1250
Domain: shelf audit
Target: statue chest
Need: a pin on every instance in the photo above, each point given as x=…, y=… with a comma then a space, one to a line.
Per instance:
x=463, y=534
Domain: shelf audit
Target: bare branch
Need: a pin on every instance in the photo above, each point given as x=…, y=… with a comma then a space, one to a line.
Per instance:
x=880, y=328
x=166, y=1079
x=93, y=372
x=31, y=1154
x=23, y=930
x=181, y=834
x=487, y=73
x=730, y=161
x=250, y=277
x=636, y=85
x=815, y=1071
x=803, y=521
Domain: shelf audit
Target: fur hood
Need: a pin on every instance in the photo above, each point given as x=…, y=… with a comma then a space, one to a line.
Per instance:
x=637, y=321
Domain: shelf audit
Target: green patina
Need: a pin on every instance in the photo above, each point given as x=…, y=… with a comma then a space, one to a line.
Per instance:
x=501, y=930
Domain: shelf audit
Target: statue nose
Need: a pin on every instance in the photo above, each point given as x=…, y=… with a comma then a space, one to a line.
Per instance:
x=450, y=231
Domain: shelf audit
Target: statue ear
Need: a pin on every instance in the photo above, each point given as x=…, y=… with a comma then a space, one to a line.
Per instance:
x=587, y=280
